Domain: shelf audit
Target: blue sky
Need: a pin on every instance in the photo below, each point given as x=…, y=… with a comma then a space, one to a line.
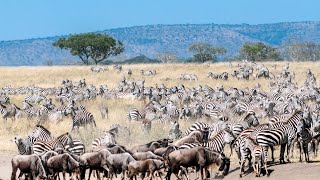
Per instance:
x=22, y=19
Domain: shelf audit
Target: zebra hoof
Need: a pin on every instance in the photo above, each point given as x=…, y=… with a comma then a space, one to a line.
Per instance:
x=240, y=175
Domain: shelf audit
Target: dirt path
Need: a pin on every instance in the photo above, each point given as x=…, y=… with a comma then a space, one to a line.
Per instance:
x=293, y=171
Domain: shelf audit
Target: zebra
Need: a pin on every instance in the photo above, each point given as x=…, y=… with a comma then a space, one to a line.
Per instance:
x=76, y=147
x=80, y=118
x=108, y=138
x=104, y=111
x=24, y=145
x=9, y=111
x=175, y=132
x=216, y=143
x=134, y=114
x=59, y=142
x=283, y=135
x=34, y=98
x=4, y=99
x=250, y=149
x=244, y=122
x=304, y=138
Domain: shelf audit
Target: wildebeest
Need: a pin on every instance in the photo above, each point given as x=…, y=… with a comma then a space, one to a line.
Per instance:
x=118, y=163
x=94, y=161
x=199, y=157
x=193, y=137
x=148, y=165
x=145, y=155
x=62, y=163
x=151, y=146
x=113, y=148
x=30, y=164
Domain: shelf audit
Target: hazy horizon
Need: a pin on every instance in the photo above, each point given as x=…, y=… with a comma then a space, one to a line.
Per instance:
x=44, y=18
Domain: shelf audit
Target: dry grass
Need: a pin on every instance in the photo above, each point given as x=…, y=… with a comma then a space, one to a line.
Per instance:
x=166, y=74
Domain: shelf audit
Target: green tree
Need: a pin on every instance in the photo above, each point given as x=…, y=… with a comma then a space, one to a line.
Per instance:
x=97, y=47
x=205, y=52
x=258, y=52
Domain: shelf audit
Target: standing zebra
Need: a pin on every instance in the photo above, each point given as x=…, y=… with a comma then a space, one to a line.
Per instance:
x=250, y=149
x=283, y=135
x=108, y=138
x=135, y=114
x=80, y=118
x=216, y=144
x=59, y=142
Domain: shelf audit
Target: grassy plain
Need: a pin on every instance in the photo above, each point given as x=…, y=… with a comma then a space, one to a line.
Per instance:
x=166, y=74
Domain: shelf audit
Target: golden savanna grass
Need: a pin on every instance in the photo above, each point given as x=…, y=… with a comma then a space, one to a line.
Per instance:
x=166, y=74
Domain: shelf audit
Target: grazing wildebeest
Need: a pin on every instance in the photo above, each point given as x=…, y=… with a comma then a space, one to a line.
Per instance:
x=199, y=157
x=143, y=166
x=118, y=163
x=30, y=164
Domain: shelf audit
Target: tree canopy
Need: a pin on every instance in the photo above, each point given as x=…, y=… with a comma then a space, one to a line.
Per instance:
x=91, y=46
x=258, y=52
x=205, y=52
x=302, y=51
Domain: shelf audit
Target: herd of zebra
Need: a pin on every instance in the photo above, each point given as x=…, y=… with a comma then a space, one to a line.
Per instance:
x=218, y=116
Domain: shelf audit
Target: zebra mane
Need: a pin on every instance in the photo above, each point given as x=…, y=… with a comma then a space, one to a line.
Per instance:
x=3, y=106
x=42, y=128
x=16, y=107
x=62, y=135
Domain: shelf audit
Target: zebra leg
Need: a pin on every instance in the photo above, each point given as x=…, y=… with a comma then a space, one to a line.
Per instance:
x=289, y=146
x=301, y=147
x=265, y=151
x=282, y=150
x=272, y=153
x=243, y=160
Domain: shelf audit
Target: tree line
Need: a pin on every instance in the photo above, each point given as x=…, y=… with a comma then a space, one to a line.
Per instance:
x=96, y=48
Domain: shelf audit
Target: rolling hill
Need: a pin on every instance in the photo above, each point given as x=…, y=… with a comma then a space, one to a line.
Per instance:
x=151, y=40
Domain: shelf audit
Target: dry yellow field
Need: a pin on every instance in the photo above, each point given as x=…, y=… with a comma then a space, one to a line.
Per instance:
x=166, y=74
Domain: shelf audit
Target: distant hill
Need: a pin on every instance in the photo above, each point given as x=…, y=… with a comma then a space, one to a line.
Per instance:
x=151, y=40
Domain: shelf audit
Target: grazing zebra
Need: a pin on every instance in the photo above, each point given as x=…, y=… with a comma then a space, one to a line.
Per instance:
x=250, y=149
x=216, y=144
x=283, y=135
x=59, y=142
x=80, y=118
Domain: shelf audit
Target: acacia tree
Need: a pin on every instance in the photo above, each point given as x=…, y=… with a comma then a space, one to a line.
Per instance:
x=302, y=51
x=167, y=57
x=97, y=47
x=205, y=52
x=258, y=51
